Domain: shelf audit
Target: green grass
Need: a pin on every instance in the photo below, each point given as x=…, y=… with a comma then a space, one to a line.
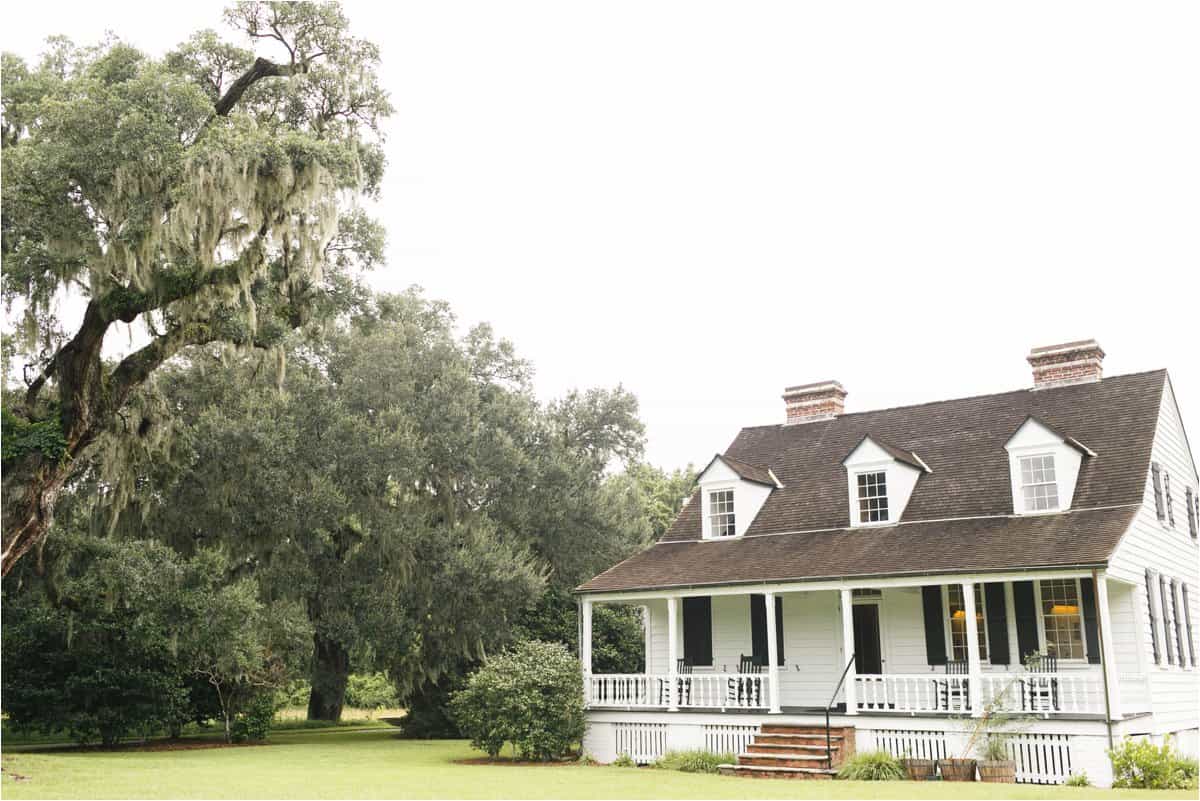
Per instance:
x=375, y=763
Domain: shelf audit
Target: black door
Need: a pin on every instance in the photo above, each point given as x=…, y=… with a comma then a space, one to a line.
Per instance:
x=867, y=656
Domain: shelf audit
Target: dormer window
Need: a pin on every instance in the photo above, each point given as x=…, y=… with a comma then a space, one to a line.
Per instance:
x=720, y=513
x=872, y=497
x=1039, y=485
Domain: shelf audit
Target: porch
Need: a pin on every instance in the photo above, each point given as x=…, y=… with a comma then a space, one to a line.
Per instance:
x=937, y=646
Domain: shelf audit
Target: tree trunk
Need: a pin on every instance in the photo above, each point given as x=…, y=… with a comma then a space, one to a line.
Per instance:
x=331, y=669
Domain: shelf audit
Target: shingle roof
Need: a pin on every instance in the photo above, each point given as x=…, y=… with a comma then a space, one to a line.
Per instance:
x=962, y=441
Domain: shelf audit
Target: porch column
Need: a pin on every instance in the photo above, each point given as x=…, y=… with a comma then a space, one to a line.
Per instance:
x=585, y=636
x=673, y=652
x=974, y=668
x=772, y=655
x=1108, y=657
x=851, y=685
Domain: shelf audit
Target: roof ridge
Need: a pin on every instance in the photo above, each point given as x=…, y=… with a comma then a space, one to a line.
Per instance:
x=843, y=416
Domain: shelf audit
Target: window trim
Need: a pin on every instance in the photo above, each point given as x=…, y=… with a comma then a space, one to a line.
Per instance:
x=980, y=610
x=1038, y=454
x=856, y=509
x=1041, y=621
x=708, y=532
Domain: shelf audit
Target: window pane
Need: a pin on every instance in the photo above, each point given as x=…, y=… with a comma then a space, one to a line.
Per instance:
x=872, y=498
x=1062, y=618
x=720, y=513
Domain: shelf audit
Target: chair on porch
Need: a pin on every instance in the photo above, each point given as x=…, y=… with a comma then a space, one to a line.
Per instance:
x=954, y=694
x=1039, y=690
x=746, y=687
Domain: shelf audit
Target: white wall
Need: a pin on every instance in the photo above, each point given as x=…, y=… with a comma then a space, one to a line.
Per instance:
x=1174, y=554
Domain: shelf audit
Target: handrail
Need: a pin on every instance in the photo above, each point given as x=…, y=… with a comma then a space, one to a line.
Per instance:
x=832, y=698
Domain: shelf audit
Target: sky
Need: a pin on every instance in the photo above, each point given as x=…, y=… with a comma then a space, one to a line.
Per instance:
x=707, y=202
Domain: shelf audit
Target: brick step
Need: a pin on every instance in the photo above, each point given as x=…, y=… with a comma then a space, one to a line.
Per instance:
x=760, y=772
x=782, y=760
x=798, y=739
x=783, y=748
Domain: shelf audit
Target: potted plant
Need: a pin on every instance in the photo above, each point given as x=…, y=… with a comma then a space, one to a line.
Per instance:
x=986, y=735
x=995, y=766
x=918, y=770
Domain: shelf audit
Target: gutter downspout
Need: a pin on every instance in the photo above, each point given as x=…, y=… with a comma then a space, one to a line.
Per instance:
x=1103, y=662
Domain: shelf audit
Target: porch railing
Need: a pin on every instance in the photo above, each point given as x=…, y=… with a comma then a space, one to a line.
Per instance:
x=691, y=691
x=1060, y=693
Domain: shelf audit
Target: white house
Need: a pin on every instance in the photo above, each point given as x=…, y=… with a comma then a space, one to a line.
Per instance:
x=901, y=570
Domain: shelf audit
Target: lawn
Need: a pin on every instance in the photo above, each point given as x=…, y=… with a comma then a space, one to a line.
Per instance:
x=374, y=763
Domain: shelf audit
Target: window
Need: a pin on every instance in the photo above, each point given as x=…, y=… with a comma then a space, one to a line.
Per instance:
x=1191, y=512
x=1061, y=618
x=1166, y=617
x=1170, y=502
x=720, y=513
x=758, y=629
x=1156, y=476
x=1178, y=622
x=1153, y=617
x=956, y=610
x=1039, y=485
x=872, y=498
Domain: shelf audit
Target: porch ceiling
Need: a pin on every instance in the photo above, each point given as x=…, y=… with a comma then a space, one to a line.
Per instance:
x=1079, y=538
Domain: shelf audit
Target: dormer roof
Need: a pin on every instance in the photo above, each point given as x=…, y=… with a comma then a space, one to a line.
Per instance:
x=900, y=455
x=745, y=471
x=1069, y=440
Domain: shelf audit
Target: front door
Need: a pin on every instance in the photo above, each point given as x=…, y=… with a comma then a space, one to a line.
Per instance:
x=867, y=655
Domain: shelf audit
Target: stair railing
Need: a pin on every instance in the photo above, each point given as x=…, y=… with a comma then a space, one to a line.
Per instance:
x=828, y=707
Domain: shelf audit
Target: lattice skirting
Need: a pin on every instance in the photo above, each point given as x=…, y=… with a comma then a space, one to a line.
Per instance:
x=643, y=742
x=728, y=739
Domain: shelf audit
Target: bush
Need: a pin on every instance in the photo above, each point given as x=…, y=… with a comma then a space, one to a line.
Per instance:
x=254, y=723
x=624, y=761
x=694, y=761
x=530, y=696
x=370, y=691
x=1079, y=779
x=871, y=766
x=1142, y=764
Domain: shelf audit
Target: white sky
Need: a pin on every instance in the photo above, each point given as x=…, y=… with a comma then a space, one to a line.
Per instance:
x=709, y=201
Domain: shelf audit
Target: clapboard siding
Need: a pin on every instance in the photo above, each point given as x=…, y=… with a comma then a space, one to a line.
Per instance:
x=812, y=625
x=1170, y=552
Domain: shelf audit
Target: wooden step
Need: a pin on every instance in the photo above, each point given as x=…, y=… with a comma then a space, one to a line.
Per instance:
x=784, y=728
x=798, y=739
x=761, y=772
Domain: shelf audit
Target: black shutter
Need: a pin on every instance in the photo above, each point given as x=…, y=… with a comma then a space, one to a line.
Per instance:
x=1170, y=499
x=935, y=627
x=1091, y=633
x=697, y=631
x=1166, y=611
x=1191, y=505
x=1187, y=615
x=758, y=628
x=1156, y=474
x=1150, y=614
x=1025, y=614
x=1178, y=624
x=997, y=623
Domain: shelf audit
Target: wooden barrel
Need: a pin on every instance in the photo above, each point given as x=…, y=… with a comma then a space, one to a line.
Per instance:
x=920, y=770
x=957, y=770
x=1002, y=771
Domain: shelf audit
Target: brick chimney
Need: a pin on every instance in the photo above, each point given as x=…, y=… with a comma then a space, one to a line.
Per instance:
x=1068, y=363
x=808, y=403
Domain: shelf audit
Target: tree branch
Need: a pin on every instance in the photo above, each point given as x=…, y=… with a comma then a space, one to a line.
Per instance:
x=261, y=68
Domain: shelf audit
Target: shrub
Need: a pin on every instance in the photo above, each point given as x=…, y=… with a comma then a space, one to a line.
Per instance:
x=254, y=723
x=694, y=761
x=624, y=761
x=871, y=766
x=1142, y=764
x=1079, y=779
x=370, y=691
x=530, y=696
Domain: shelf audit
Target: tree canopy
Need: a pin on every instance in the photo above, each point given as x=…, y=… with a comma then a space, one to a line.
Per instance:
x=207, y=196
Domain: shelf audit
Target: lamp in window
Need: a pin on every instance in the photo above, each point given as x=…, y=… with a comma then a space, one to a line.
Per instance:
x=959, y=614
x=1064, y=609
